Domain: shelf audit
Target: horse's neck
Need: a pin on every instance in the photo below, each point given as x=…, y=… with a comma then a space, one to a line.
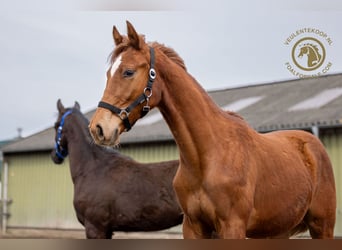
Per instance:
x=79, y=148
x=194, y=119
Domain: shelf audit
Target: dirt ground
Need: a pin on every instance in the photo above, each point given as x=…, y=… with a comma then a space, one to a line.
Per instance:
x=79, y=234
x=174, y=233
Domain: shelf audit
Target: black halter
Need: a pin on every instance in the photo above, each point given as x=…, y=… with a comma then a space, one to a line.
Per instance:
x=145, y=96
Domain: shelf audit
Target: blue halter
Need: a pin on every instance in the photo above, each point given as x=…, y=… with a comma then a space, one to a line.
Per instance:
x=61, y=152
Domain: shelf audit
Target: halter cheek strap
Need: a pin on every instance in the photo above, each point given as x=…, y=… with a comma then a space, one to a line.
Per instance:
x=145, y=96
x=61, y=152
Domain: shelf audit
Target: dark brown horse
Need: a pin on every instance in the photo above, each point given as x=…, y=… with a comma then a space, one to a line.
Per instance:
x=232, y=181
x=111, y=191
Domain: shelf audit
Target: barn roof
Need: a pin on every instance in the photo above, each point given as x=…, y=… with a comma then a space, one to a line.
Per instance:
x=295, y=104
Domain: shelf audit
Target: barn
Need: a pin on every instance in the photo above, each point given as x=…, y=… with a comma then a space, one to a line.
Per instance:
x=41, y=192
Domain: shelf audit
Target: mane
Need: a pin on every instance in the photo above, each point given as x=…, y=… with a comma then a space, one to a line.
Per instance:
x=312, y=46
x=169, y=52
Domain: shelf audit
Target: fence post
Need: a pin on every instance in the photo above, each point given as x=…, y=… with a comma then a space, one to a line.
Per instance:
x=1, y=202
x=4, y=198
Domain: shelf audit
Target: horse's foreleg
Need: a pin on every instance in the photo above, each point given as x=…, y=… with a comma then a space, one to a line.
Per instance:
x=195, y=230
x=92, y=232
x=234, y=228
x=232, y=222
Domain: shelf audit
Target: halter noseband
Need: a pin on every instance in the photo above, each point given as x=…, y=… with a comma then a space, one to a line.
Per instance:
x=61, y=152
x=145, y=96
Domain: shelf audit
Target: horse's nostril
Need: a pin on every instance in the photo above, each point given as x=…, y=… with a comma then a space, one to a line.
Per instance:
x=99, y=132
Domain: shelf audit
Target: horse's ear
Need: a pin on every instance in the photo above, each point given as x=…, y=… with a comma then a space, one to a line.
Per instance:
x=77, y=106
x=117, y=36
x=60, y=106
x=133, y=36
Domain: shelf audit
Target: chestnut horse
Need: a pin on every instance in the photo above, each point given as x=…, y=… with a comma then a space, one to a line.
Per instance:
x=232, y=182
x=112, y=192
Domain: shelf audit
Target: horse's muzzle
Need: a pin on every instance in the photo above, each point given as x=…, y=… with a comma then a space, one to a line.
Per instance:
x=55, y=158
x=106, y=131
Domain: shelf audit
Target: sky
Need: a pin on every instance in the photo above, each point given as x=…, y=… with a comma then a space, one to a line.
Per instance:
x=59, y=49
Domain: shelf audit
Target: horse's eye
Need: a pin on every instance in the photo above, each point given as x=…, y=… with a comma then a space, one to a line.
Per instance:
x=128, y=73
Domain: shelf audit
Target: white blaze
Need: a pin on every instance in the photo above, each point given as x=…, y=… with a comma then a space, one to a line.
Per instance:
x=115, y=65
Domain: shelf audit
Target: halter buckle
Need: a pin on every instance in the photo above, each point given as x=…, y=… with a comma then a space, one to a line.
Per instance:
x=123, y=114
x=148, y=92
x=146, y=109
